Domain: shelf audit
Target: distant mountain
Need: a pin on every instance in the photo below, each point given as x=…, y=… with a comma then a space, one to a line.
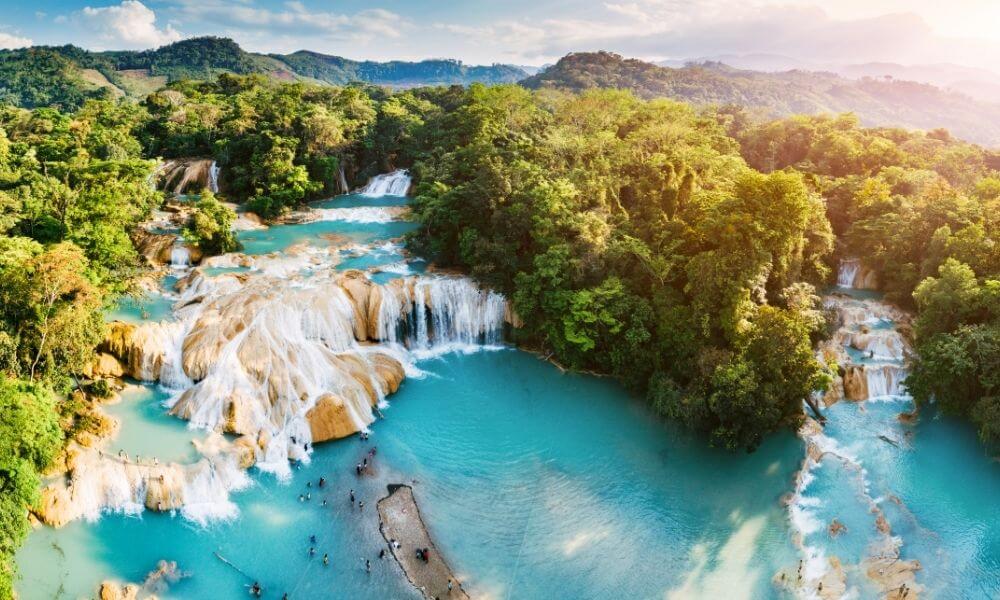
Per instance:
x=338, y=70
x=876, y=101
x=979, y=83
x=67, y=75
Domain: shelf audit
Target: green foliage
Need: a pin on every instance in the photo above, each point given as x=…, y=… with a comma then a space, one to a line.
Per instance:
x=67, y=76
x=210, y=226
x=634, y=241
x=29, y=439
x=958, y=343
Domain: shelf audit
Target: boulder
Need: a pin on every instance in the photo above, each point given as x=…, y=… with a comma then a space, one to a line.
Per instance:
x=329, y=419
x=111, y=590
x=855, y=383
x=246, y=450
x=165, y=488
x=865, y=279
x=105, y=365
x=56, y=508
x=154, y=247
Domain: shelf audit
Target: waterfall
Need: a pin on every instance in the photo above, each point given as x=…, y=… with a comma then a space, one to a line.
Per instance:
x=213, y=178
x=879, y=344
x=396, y=183
x=884, y=380
x=180, y=257
x=442, y=314
x=848, y=271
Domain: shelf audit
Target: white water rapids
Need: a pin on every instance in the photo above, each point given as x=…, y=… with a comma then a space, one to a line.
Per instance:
x=292, y=349
x=396, y=183
x=870, y=354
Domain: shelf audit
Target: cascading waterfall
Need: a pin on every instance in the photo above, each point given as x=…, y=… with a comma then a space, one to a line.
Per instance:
x=460, y=313
x=396, y=183
x=847, y=272
x=884, y=381
x=213, y=178
x=180, y=256
x=282, y=358
x=870, y=352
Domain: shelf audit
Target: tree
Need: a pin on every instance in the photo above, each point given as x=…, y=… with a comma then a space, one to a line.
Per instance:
x=210, y=226
x=29, y=439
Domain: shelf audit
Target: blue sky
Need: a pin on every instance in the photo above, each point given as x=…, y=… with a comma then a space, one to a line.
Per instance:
x=530, y=31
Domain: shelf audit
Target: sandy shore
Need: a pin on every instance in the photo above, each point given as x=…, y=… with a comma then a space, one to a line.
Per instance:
x=399, y=519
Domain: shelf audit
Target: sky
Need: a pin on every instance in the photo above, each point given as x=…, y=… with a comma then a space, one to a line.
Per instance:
x=531, y=32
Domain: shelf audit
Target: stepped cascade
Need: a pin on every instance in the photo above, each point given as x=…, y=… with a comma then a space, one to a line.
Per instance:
x=835, y=490
x=293, y=352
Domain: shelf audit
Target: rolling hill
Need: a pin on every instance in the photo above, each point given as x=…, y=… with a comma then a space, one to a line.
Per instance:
x=67, y=75
x=876, y=101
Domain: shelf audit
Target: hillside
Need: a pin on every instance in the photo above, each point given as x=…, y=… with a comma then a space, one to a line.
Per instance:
x=400, y=74
x=877, y=102
x=67, y=75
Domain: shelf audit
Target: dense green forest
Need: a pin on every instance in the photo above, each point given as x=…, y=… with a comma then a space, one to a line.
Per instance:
x=877, y=102
x=678, y=248
x=67, y=75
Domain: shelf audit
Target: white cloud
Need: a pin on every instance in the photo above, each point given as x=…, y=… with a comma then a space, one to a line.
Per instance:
x=12, y=41
x=297, y=20
x=130, y=24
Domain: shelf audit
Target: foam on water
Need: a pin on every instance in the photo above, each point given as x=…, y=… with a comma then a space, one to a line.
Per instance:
x=396, y=183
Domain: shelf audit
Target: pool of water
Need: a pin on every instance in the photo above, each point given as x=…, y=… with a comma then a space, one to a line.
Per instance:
x=147, y=431
x=535, y=483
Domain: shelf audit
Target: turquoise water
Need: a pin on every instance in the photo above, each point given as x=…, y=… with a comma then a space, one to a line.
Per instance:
x=147, y=431
x=536, y=484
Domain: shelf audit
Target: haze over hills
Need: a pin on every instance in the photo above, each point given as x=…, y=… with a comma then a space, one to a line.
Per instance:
x=66, y=75
x=877, y=102
x=979, y=83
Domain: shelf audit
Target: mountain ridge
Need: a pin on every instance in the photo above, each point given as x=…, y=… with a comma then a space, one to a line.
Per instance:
x=58, y=75
x=876, y=102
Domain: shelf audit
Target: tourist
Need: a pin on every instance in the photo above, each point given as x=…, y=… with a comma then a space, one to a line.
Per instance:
x=309, y=496
x=312, y=539
x=307, y=446
x=255, y=589
x=312, y=551
x=284, y=596
x=420, y=554
x=449, y=587
x=372, y=451
x=426, y=555
x=361, y=505
x=324, y=501
x=381, y=553
x=368, y=565
x=322, y=482
x=309, y=484
x=302, y=498
x=326, y=559
x=357, y=469
x=352, y=497
x=293, y=440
